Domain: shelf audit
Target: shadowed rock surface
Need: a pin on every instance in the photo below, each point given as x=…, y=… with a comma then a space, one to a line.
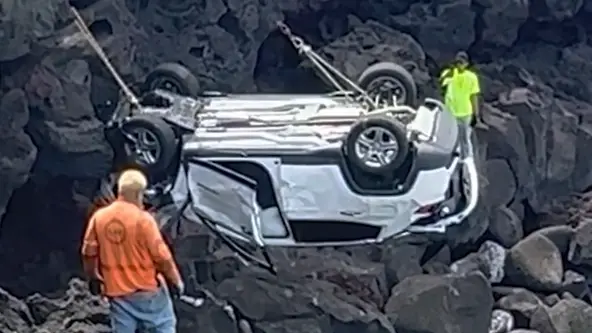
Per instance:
x=534, y=154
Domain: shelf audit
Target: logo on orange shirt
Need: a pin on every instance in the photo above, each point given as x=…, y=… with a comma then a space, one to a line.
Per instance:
x=115, y=231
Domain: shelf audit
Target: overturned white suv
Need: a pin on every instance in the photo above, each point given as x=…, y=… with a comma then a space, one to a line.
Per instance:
x=356, y=166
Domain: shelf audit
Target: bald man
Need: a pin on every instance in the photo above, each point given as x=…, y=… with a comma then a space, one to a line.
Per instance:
x=124, y=252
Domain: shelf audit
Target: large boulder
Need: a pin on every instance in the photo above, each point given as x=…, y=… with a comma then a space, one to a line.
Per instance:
x=272, y=304
x=464, y=304
x=567, y=316
x=535, y=262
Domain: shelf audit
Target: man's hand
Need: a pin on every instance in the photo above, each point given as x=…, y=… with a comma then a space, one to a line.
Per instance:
x=474, y=120
x=94, y=285
x=176, y=290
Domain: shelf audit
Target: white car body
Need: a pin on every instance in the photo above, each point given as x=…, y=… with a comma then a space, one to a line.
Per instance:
x=269, y=170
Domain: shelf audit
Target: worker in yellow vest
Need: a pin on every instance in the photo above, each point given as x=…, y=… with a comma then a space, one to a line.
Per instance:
x=461, y=96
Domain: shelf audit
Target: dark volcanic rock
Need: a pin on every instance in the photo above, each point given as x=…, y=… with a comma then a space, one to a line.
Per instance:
x=522, y=304
x=16, y=317
x=489, y=260
x=64, y=127
x=569, y=316
x=402, y=260
x=533, y=59
x=506, y=226
x=18, y=156
x=74, y=311
x=441, y=304
x=560, y=235
x=535, y=262
x=442, y=29
x=316, y=304
x=580, y=250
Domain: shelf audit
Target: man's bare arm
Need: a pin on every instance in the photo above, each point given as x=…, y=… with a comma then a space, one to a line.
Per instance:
x=159, y=251
x=90, y=251
x=475, y=104
x=475, y=92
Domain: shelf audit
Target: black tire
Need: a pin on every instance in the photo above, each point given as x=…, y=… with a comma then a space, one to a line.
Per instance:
x=379, y=71
x=165, y=138
x=182, y=81
x=390, y=125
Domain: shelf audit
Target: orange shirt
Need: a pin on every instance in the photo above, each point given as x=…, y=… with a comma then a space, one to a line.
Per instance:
x=129, y=248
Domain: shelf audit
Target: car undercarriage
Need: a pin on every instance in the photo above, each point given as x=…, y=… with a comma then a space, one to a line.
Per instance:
x=360, y=165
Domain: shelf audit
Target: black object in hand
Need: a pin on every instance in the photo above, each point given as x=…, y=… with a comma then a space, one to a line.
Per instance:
x=174, y=290
x=94, y=285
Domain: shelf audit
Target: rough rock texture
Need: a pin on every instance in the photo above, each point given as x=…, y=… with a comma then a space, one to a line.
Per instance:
x=534, y=62
x=463, y=302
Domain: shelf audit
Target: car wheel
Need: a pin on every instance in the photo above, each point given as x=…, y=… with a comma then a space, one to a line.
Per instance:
x=172, y=77
x=377, y=145
x=149, y=144
x=387, y=83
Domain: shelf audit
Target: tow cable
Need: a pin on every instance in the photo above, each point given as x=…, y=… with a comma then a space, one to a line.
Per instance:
x=131, y=97
x=326, y=69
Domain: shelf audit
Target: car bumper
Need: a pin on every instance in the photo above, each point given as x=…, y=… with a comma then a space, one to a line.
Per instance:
x=470, y=179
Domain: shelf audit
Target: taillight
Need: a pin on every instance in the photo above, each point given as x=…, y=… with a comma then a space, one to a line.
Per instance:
x=439, y=208
x=428, y=209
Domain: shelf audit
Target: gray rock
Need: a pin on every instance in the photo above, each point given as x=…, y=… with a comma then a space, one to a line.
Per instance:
x=502, y=191
x=466, y=307
x=576, y=284
x=15, y=315
x=433, y=25
x=552, y=299
x=536, y=146
x=489, y=260
x=439, y=263
x=501, y=322
x=505, y=226
x=535, y=262
x=76, y=306
x=373, y=42
x=580, y=250
x=301, y=300
x=522, y=304
x=557, y=10
x=510, y=14
x=567, y=316
x=65, y=123
x=402, y=260
x=560, y=235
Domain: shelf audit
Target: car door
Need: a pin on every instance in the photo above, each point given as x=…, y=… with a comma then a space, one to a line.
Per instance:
x=224, y=198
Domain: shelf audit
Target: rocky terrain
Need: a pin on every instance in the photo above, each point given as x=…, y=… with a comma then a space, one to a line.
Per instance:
x=519, y=263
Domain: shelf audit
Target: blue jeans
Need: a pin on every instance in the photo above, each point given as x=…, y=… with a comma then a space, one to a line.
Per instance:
x=465, y=131
x=145, y=311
